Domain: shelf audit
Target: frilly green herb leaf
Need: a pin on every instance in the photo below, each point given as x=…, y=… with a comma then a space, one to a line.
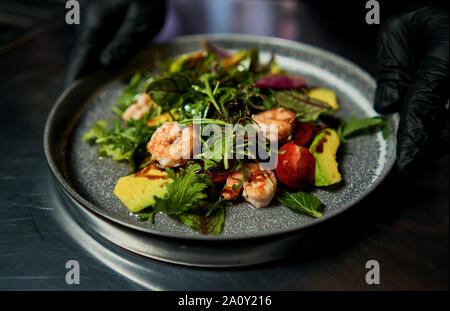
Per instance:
x=122, y=142
x=183, y=194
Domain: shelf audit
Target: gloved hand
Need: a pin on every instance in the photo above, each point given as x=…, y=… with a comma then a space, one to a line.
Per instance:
x=413, y=79
x=111, y=31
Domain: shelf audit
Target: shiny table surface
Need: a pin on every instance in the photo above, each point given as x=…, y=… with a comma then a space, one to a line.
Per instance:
x=403, y=224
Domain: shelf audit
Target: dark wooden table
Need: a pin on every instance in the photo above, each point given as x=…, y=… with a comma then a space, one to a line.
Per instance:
x=403, y=224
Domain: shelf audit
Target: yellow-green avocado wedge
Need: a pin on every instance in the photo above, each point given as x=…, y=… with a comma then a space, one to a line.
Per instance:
x=324, y=148
x=326, y=95
x=138, y=191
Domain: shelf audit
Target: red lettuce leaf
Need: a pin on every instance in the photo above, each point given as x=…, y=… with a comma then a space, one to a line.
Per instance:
x=281, y=81
x=307, y=109
x=208, y=225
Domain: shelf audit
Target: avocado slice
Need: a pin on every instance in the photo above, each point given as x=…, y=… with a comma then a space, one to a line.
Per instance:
x=163, y=118
x=326, y=95
x=138, y=191
x=324, y=148
x=186, y=61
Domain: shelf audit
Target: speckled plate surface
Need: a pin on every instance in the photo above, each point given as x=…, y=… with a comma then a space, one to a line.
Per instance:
x=90, y=180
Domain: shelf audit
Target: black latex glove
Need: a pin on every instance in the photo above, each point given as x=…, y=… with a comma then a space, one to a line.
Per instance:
x=111, y=31
x=413, y=79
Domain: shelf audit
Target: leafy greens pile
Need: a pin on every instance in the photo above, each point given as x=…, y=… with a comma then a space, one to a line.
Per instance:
x=219, y=88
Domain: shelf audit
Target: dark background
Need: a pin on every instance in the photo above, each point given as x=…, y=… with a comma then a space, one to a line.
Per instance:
x=403, y=224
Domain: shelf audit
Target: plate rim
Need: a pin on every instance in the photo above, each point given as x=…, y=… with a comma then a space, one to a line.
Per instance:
x=61, y=180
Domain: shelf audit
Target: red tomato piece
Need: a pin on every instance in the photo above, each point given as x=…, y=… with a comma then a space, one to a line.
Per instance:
x=304, y=132
x=296, y=166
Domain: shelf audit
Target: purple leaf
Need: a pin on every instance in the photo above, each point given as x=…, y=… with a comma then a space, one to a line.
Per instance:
x=209, y=225
x=281, y=81
x=207, y=46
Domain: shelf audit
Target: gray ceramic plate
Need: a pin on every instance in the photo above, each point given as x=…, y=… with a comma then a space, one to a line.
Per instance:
x=90, y=180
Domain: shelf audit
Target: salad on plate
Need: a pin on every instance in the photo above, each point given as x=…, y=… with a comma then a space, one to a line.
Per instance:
x=214, y=127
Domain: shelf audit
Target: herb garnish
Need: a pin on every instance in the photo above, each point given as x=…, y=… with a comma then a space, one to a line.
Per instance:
x=302, y=202
x=354, y=126
x=186, y=199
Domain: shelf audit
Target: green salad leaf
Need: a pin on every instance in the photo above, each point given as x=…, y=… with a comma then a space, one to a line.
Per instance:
x=355, y=126
x=97, y=130
x=147, y=215
x=131, y=91
x=186, y=199
x=183, y=194
x=306, y=108
x=302, y=202
x=122, y=142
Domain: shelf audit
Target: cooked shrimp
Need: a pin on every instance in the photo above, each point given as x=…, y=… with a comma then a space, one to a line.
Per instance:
x=275, y=124
x=259, y=185
x=172, y=144
x=139, y=108
x=231, y=190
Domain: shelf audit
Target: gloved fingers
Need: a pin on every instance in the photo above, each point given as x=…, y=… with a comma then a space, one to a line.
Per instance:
x=417, y=141
x=95, y=29
x=83, y=60
x=423, y=128
x=142, y=21
x=83, y=57
x=394, y=63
